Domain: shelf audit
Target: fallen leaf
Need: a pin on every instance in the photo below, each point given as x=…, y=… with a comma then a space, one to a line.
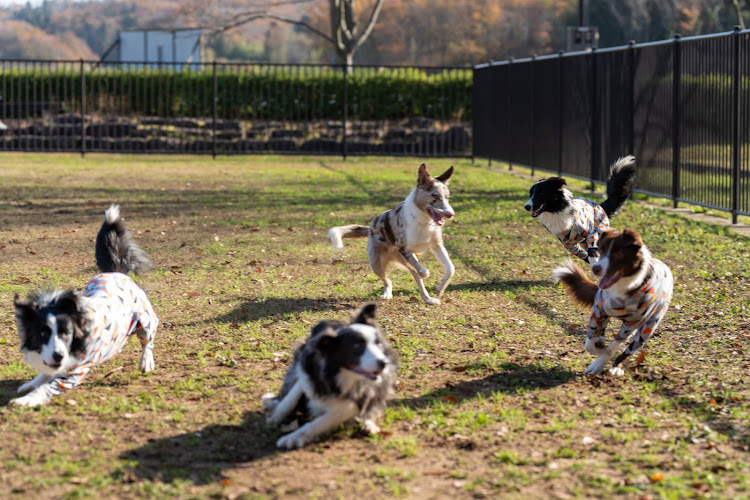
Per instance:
x=640, y=358
x=226, y=482
x=193, y=294
x=450, y=398
x=655, y=478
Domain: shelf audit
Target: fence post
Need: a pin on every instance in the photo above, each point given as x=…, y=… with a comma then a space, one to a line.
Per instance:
x=561, y=112
x=346, y=111
x=83, y=111
x=533, y=111
x=595, y=122
x=676, y=84
x=508, y=116
x=214, y=100
x=736, y=124
x=631, y=97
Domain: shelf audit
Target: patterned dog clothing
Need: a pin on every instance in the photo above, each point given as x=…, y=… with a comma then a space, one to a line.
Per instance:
x=590, y=220
x=117, y=308
x=640, y=312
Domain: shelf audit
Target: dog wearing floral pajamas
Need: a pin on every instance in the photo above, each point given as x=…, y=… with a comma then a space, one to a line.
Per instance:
x=633, y=287
x=578, y=222
x=66, y=333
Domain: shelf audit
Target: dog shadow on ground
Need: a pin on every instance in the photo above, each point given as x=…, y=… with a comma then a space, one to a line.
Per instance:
x=252, y=310
x=9, y=390
x=200, y=456
x=508, y=380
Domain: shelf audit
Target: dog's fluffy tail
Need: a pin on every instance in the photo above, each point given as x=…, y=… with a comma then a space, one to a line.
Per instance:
x=575, y=281
x=619, y=184
x=337, y=234
x=116, y=252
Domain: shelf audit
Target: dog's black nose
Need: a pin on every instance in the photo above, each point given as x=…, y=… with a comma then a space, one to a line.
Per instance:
x=57, y=357
x=382, y=364
x=596, y=269
x=527, y=207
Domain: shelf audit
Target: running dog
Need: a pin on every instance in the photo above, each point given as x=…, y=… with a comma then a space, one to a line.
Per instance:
x=578, y=222
x=397, y=236
x=66, y=333
x=342, y=371
x=633, y=287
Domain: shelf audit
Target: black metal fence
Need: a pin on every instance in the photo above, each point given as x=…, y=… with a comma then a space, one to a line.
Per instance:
x=681, y=106
x=215, y=108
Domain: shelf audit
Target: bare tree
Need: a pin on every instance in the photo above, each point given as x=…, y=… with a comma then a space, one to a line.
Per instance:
x=345, y=35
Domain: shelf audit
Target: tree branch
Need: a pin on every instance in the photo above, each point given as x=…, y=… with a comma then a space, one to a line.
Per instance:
x=252, y=16
x=371, y=24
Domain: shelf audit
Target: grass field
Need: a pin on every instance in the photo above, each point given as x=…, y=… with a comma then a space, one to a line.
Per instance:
x=490, y=401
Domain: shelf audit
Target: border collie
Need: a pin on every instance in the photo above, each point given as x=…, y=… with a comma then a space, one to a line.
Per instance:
x=342, y=371
x=66, y=333
x=397, y=236
x=633, y=287
x=577, y=222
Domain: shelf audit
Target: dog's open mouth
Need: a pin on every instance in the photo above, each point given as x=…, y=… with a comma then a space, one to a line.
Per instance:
x=360, y=371
x=54, y=364
x=439, y=220
x=608, y=281
x=539, y=209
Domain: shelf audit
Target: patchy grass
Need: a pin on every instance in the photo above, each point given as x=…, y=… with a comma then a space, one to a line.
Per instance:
x=491, y=401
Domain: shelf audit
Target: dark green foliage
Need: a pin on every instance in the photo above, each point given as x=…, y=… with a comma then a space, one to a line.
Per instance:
x=248, y=92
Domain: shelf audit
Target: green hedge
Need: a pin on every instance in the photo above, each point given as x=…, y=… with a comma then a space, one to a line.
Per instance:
x=249, y=92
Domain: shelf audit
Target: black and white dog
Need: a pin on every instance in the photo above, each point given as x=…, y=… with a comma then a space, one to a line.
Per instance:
x=578, y=222
x=342, y=371
x=65, y=333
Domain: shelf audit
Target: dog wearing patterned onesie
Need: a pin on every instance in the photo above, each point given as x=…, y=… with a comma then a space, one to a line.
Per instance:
x=66, y=333
x=633, y=287
x=578, y=222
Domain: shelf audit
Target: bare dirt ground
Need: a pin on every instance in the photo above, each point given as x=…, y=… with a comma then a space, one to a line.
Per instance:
x=491, y=400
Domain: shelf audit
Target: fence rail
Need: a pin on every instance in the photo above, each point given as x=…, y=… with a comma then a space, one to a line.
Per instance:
x=682, y=107
x=214, y=108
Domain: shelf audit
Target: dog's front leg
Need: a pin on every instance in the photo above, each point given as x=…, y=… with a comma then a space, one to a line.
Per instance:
x=39, y=396
x=335, y=415
x=285, y=406
x=442, y=256
x=606, y=354
x=422, y=290
x=34, y=383
x=148, y=322
x=414, y=263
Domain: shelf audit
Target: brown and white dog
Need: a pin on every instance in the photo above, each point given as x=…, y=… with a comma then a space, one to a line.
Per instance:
x=633, y=287
x=397, y=236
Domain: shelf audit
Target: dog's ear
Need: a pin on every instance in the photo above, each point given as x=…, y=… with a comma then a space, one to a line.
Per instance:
x=26, y=309
x=326, y=339
x=631, y=238
x=557, y=182
x=445, y=176
x=68, y=302
x=365, y=314
x=424, y=176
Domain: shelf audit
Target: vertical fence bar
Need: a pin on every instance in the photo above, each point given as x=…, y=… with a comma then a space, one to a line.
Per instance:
x=560, y=112
x=631, y=97
x=736, y=124
x=595, y=122
x=345, y=115
x=509, y=118
x=676, y=81
x=83, y=111
x=533, y=112
x=215, y=98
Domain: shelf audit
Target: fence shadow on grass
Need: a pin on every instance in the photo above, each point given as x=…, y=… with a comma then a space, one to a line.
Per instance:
x=509, y=380
x=201, y=455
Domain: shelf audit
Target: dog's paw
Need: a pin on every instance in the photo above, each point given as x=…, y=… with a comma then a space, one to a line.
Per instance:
x=432, y=301
x=597, y=366
x=147, y=361
x=424, y=273
x=370, y=427
x=292, y=441
x=616, y=371
x=387, y=295
x=595, y=345
x=32, y=399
